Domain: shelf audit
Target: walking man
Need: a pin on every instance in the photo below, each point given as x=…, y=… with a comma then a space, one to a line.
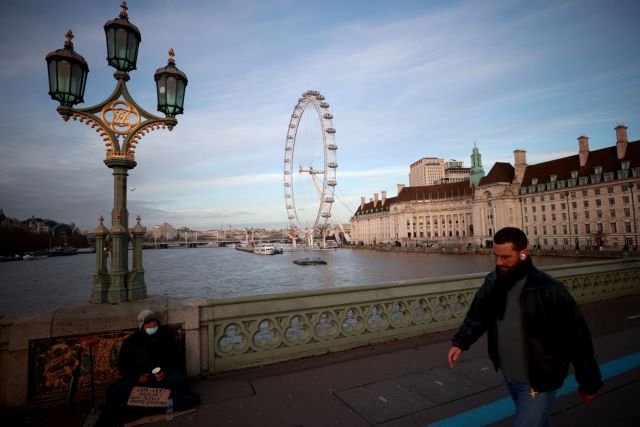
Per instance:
x=534, y=330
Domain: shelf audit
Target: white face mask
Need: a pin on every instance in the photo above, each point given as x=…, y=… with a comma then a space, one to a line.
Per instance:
x=151, y=331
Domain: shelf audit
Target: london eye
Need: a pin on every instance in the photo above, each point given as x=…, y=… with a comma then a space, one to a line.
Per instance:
x=310, y=166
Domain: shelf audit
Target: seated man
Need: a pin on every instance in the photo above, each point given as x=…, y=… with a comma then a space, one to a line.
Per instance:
x=150, y=347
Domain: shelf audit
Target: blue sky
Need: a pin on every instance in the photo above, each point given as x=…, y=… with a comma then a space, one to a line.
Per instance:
x=405, y=80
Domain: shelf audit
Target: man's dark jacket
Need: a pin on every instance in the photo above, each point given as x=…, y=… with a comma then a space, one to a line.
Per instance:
x=140, y=353
x=555, y=333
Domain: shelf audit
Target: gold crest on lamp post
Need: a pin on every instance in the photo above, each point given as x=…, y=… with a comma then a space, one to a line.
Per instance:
x=120, y=123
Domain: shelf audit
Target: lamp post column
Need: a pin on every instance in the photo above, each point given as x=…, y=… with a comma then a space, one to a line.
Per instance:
x=137, y=287
x=101, y=275
x=119, y=230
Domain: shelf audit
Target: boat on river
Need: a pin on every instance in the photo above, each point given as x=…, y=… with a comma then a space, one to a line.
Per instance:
x=309, y=261
x=259, y=248
x=32, y=256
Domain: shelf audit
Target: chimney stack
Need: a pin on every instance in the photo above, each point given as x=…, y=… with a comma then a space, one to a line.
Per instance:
x=621, y=141
x=384, y=197
x=583, y=152
x=362, y=202
x=375, y=200
x=400, y=187
x=520, y=157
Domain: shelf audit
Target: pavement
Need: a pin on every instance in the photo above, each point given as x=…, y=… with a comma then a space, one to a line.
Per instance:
x=403, y=383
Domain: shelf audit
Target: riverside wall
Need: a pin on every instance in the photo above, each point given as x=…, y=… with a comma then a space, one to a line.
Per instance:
x=235, y=333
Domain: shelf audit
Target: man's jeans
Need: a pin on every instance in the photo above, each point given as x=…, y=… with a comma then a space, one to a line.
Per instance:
x=531, y=411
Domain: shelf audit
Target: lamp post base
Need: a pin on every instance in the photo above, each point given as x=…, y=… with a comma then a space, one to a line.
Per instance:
x=136, y=288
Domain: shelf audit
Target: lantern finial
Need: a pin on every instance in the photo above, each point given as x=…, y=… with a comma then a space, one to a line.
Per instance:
x=123, y=10
x=68, y=43
x=172, y=57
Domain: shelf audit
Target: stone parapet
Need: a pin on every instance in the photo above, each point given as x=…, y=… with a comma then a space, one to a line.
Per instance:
x=254, y=331
x=235, y=333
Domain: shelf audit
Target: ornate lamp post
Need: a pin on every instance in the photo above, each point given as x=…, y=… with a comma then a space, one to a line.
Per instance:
x=121, y=123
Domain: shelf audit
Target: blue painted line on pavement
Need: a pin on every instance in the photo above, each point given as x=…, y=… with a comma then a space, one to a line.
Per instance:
x=495, y=411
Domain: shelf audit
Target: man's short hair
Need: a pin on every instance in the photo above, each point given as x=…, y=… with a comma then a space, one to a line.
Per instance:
x=511, y=235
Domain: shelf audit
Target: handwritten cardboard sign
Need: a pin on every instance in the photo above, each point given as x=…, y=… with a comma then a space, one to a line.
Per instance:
x=149, y=397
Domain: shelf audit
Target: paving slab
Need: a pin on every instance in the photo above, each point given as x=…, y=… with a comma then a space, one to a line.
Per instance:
x=384, y=401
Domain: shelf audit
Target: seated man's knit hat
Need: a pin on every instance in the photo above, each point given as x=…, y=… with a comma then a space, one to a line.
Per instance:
x=146, y=316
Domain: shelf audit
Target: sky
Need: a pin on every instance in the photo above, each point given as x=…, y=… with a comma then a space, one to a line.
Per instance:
x=404, y=80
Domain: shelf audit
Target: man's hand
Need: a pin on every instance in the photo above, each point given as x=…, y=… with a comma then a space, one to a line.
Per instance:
x=454, y=353
x=586, y=398
x=143, y=378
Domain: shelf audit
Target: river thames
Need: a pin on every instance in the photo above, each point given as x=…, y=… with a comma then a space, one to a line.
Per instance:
x=32, y=286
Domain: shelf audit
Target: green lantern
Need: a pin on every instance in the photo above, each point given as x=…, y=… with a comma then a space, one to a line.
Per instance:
x=171, y=84
x=67, y=74
x=123, y=39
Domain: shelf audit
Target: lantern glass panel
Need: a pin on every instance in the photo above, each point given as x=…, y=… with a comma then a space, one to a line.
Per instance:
x=64, y=71
x=76, y=80
x=121, y=44
x=171, y=92
x=180, y=94
x=162, y=91
x=133, y=48
x=111, y=43
x=52, y=76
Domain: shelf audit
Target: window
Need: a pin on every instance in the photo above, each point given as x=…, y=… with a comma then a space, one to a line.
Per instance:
x=585, y=204
x=564, y=216
x=627, y=212
x=544, y=218
x=585, y=193
x=552, y=197
x=544, y=208
x=610, y=190
x=575, y=215
x=596, y=191
x=599, y=226
x=553, y=178
x=586, y=215
x=574, y=205
x=612, y=201
x=564, y=229
x=627, y=227
x=612, y=213
x=553, y=207
x=525, y=209
x=554, y=229
x=599, y=213
x=587, y=228
x=574, y=174
x=563, y=206
x=553, y=217
x=598, y=202
x=625, y=200
x=544, y=229
x=597, y=170
x=533, y=208
x=542, y=198
x=613, y=227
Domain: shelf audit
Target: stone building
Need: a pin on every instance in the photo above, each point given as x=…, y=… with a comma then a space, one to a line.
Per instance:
x=590, y=199
x=432, y=170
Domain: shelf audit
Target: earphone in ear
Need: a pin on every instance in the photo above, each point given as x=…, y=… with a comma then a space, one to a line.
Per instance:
x=523, y=257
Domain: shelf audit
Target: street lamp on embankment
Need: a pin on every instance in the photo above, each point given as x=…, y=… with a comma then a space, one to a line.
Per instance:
x=121, y=123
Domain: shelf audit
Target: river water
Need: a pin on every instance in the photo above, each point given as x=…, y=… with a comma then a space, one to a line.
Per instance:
x=38, y=285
